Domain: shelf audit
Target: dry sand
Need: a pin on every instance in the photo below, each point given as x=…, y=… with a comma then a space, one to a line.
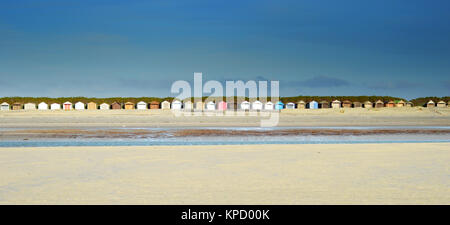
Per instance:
x=250, y=174
x=416, y=116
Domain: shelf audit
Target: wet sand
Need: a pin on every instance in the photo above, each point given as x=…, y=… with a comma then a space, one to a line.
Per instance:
x=247, y=174
x=416, y=116
x=107, y=133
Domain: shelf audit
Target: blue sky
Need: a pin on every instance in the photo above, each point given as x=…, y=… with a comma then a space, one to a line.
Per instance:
x=138, y=48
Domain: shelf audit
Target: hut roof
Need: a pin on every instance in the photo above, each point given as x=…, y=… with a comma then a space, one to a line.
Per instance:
x=391, y=102
x=367, y=102
x=65, y=103
x=323, y=101
x=129, y=103
x=4, y=103
x=154, y=102
x=336, y=101
x=401, y=101
x=301, y=102
x=430, y=102
x=347, y=102
x=441, y=102
x=379, y=101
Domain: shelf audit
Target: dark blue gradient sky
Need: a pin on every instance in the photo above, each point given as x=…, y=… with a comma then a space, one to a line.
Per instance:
x=138, y=48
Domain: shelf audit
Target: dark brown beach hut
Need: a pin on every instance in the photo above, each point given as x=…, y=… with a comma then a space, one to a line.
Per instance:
x=154, y=105
x=17, y=106
x=324, y=105
x=346, y=104
x=116, y=105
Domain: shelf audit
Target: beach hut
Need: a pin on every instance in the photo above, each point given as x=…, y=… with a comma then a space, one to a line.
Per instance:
x=430, y=104
x=44, y=106
x=199, y=106
x=29, y=106
x=357, y=105
x=92, y=106
x=268, y=106
x=368, y=104
x=409, y=104
x=290, y=105
x=211, y=106
x=257, y=105
x=400, y=103
x=188, y=106
x=441, y=104
x=176, y=105
x=165, y=105
x=336, y=104
x=154, y=105
x=324, y=105
x=279, y=105
x=222, y=105
x=53, y=106
x=129, y=105
x=346, y=104
x=104, y=106
x=245, y=105
x=390, y=104
x=80, y=106
x=116, y=105
x=379, y=104
x=67, y=106
x=301, y=104
x=17, y=106
x=4, y=106
x=313, y=105
x=141, y=105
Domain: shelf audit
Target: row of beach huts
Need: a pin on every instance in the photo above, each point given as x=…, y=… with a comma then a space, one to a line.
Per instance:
x=244, y=105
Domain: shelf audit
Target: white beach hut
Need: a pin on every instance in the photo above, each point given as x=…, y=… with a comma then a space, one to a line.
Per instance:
x=55, y=106
x=141, y=105
x=80, y=106
x=165, y=105
x=245, y=105
x=104, y=106
x=336, y=104
x=176, y=104
x=29, y=106
x=188, y=105
x=257, y=105
x=43, y=106
x=4, y=106
x=290, y=105
x=211, y=106
x=268, y=106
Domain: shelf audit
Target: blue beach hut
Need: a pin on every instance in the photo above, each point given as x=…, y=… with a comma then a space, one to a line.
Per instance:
x=279, y=106
x=313, y=105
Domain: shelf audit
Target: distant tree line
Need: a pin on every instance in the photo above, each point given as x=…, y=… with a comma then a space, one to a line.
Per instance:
x=60, y=100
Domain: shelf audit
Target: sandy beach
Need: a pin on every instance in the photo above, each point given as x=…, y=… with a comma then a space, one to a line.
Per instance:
x=248, y=174
x=416, y=116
